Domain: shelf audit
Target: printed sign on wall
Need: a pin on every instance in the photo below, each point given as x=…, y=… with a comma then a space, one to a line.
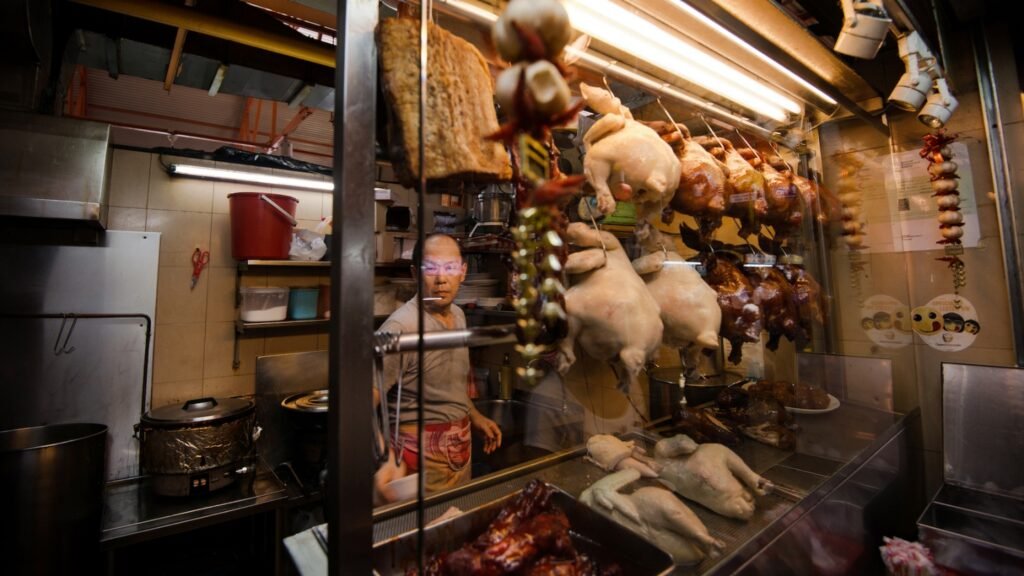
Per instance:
x=886, y=321
x=948, y=322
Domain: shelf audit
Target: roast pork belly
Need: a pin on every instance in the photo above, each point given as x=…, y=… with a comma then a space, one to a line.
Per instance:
x=460, y=103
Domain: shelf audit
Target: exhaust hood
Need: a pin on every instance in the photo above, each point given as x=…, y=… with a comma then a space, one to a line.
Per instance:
x=54, y=168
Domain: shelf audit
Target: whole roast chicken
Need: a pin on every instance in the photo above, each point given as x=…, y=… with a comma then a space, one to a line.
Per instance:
x=710, y=474
x=611, y=453
x=741, y=315
x=758, y=416
x=611, y=314
x=785, y=208
x=654, y=513
x=689, y=307
x=774, y=296
x=624, y=153
x=807, y=297
x=817, y=201
x=703, y=185
x=746, y=192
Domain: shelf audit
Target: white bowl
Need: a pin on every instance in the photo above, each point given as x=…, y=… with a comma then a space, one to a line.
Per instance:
x=404, y=488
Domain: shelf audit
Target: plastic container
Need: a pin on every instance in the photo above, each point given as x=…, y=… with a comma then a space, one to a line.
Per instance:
x=264, y=304
x=302, y=303
x=261, y=225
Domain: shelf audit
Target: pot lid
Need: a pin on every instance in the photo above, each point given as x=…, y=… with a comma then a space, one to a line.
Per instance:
x=314, y=401
x=199, y=410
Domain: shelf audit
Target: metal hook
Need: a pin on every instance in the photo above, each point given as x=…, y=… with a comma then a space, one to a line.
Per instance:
x=740, y=134
x=712, y=130
x=590, y=212
x=56, y=343
x=682, y=139
x=64, y=347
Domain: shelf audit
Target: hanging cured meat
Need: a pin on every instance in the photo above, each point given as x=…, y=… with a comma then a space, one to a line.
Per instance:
x=807, y=297
x=785, y=209
x=741, y=316
x=774, y=296
x=703, y=186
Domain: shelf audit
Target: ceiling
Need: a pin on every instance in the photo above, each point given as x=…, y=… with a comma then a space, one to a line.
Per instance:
x=115, y=67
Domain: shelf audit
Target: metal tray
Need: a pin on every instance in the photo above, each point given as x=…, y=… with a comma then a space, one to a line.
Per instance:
x=604, y=540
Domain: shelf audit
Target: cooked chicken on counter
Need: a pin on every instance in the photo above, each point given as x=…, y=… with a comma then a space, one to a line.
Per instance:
x=611, y=453
x=758, y=416
x=656, y=514
x=611, y=314
x=710, y=474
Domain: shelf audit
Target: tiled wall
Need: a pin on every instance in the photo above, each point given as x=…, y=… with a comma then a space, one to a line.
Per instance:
x=194, y=345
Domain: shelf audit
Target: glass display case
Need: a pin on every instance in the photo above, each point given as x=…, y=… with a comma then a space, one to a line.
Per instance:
x=677, y=300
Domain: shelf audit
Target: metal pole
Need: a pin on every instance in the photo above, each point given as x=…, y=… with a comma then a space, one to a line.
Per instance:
x=349, y=498
x=1008, y=232
x=388, y=343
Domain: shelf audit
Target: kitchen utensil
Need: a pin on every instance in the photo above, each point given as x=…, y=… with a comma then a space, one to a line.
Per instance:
x=51, y=492
x=200, y=259
x=491, y=209
x=199, y=446
x=307, y=416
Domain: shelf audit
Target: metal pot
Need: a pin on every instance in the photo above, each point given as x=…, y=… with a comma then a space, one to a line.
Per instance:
x=666, y=394
x=493, y=206
x=51, y=492
x=307, y=416
x=199, y=446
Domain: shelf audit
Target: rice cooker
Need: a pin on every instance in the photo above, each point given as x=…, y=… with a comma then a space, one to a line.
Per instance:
x=200, y=446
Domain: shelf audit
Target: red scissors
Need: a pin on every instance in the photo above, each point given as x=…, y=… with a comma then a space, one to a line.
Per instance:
x=200, y=259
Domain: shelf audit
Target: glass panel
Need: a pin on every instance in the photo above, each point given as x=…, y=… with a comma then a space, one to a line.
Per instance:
x=710, y=243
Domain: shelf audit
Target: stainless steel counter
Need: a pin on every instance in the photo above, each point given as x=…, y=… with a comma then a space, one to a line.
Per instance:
x=132, y=513
x=831, y=449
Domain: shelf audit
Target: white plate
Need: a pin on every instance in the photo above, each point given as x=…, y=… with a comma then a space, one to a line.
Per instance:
x=833, y=403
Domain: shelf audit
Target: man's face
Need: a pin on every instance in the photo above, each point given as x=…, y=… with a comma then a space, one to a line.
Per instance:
x=443, y=271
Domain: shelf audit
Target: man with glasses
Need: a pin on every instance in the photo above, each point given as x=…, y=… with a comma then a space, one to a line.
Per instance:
x=449, y=414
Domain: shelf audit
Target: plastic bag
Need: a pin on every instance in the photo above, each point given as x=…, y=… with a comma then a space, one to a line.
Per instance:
x=307, y=245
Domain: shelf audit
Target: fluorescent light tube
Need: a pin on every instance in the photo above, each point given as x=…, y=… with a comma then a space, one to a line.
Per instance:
x=632, y=33
x=248, y=177
x=694, y=13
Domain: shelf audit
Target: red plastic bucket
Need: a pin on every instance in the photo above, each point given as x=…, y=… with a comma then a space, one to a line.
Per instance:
x=261, y=225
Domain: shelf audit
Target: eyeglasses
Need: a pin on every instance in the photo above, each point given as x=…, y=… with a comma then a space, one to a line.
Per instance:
x=450, y=268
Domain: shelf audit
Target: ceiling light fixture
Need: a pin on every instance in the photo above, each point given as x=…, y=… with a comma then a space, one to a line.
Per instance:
x=697, y=14
x=644, y=39
x=248, y=177
x=913, y=87
x=865, y=26
x=629, y=31
x=940, y=105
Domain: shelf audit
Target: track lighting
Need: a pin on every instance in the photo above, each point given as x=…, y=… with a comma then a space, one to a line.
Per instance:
x=940, y=106
x=913, y=87
x=865, y=25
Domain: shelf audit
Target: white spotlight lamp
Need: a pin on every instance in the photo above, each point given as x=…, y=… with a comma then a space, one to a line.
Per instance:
x=865, y=25
x=940, y=106
x=912, y=89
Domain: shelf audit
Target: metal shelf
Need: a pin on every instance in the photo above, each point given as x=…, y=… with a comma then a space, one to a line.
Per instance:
x=241, y=327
